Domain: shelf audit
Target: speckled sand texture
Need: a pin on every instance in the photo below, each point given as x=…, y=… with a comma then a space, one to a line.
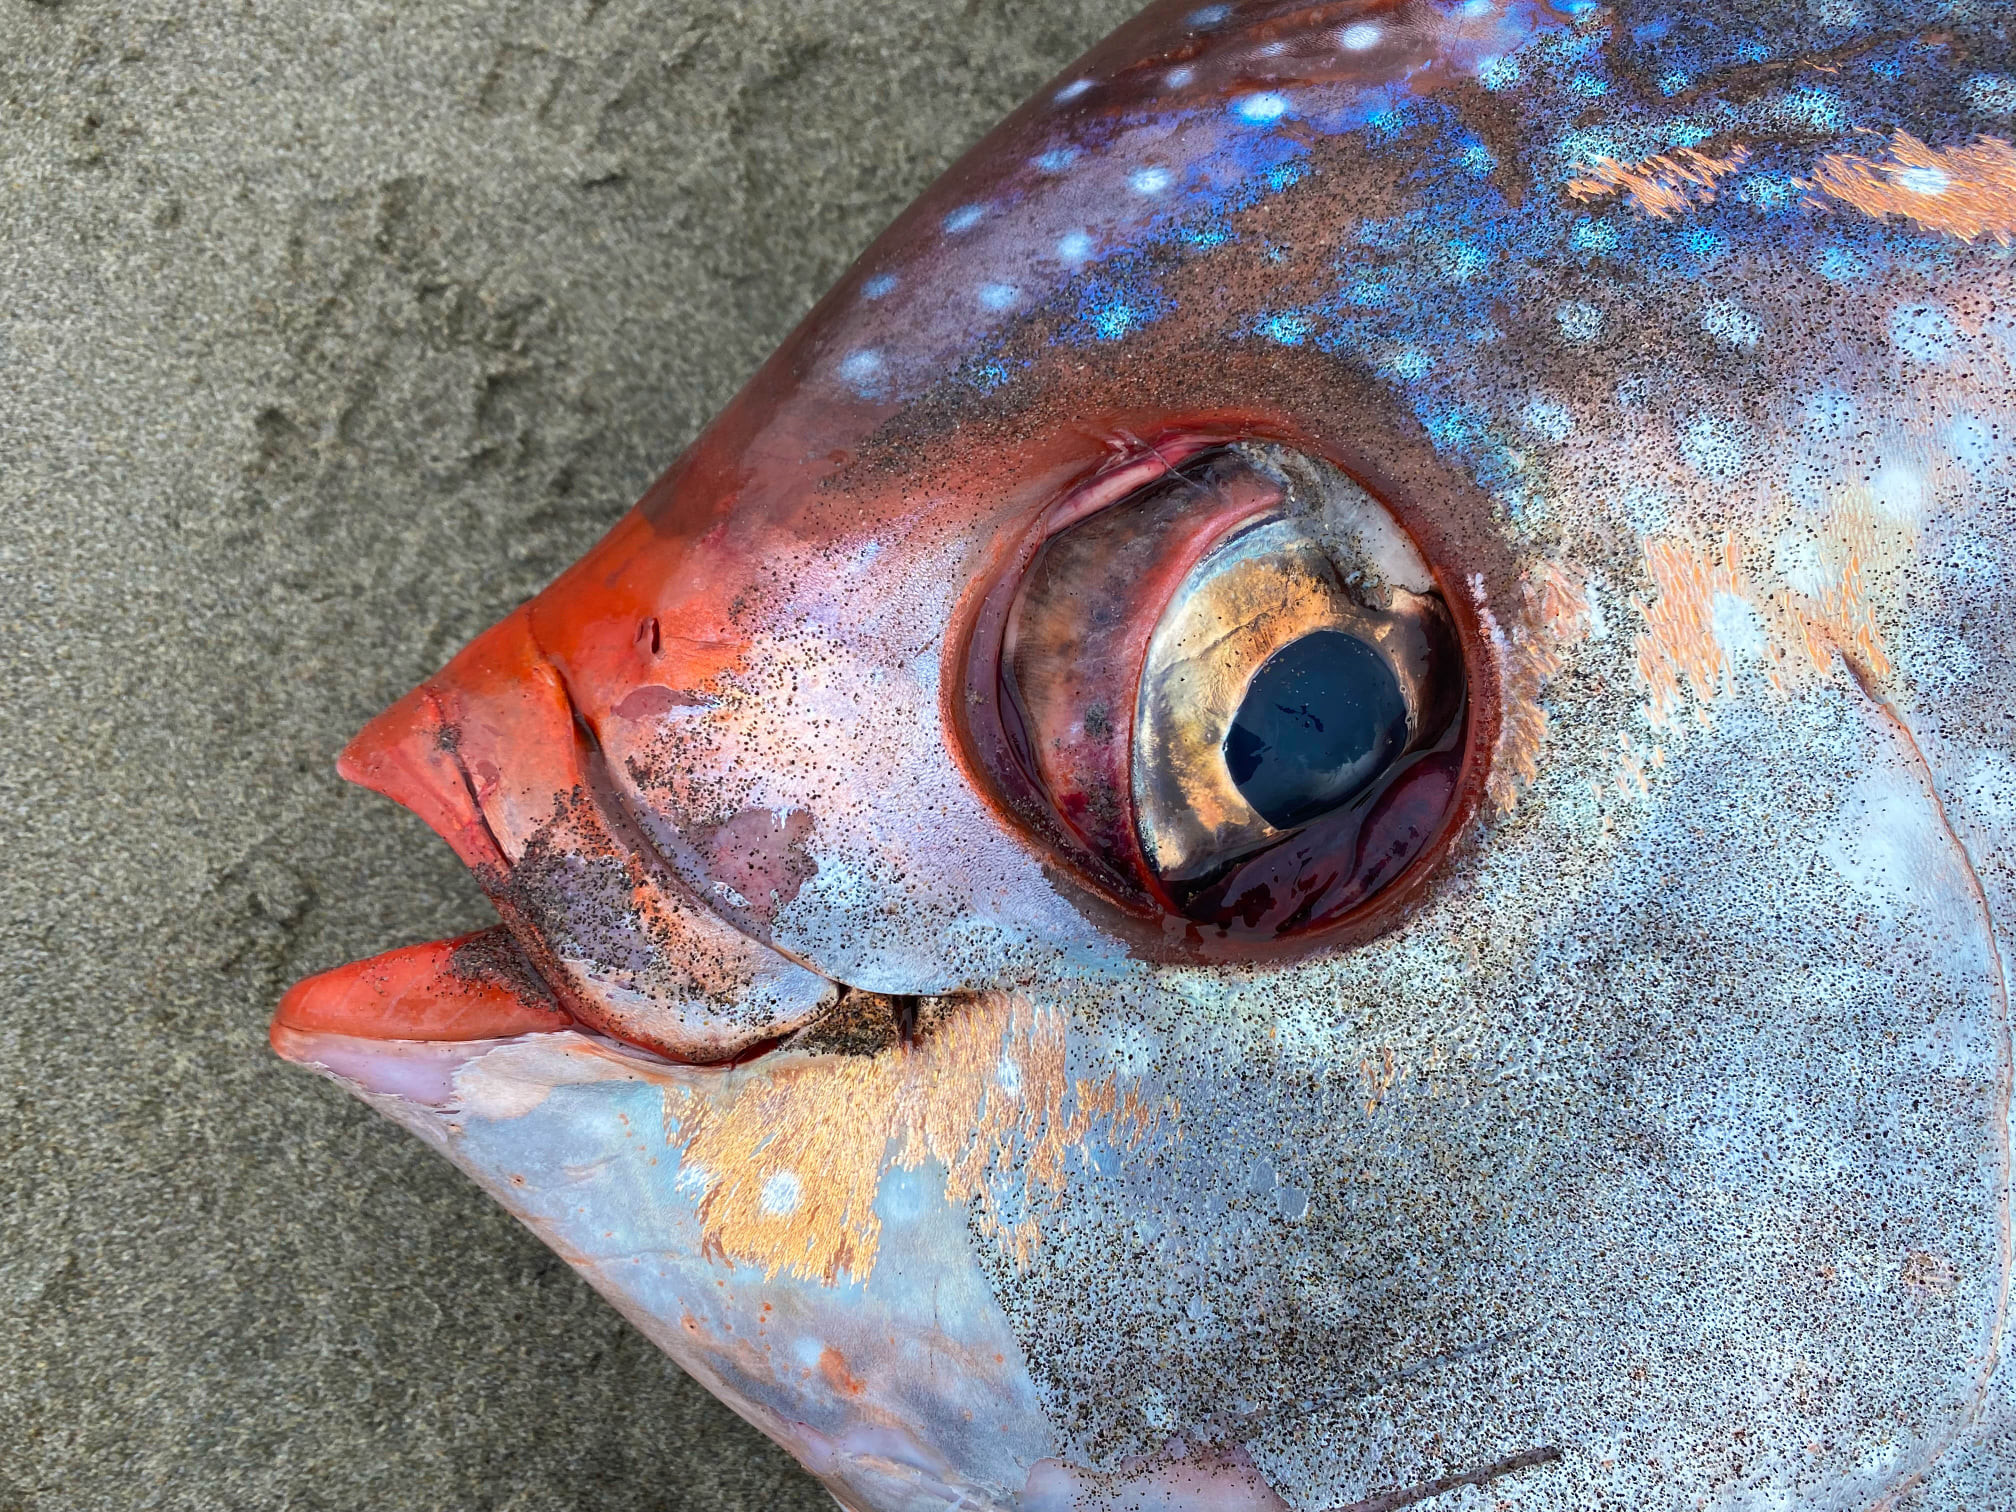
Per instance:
x=327, y=334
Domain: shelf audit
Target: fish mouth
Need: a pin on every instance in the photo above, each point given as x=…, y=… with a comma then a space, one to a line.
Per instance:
x=599, y=933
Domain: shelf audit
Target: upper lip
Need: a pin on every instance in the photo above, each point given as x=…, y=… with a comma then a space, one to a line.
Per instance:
x=500, y=758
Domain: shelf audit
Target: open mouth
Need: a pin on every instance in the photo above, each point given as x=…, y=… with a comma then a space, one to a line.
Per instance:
x=436, y=1004
x=599, y=933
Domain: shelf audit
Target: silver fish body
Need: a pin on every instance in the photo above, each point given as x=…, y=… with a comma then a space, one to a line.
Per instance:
x=1648, y=1144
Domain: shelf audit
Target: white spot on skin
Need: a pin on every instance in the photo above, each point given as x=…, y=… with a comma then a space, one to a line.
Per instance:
x=997, y=296
x=1177, y=78
x=1923, y=180
x=1008, y=1076
x=1886, y=842
x=1592, y=592
x=1547, y=420
x=693, y=1181
x=1579, y=320
x=781, y=1195
x=1072, y=90
x=1739, y=629
x=1899, y=489
x=1732, y=325
x=964, y=219
x=1260, y=109
x=1713, y=446
x=1359, y=37
x=1149, y=180
x=1795, y=556
x=862, y=367
x=1074, y=246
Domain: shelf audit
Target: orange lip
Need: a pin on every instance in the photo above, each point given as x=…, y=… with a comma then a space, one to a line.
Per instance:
x=473, y=987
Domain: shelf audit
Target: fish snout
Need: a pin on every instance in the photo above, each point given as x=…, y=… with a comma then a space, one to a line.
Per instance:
x=496, y=756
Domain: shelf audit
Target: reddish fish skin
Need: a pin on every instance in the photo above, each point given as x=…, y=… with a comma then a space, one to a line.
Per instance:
x=1515, y=1128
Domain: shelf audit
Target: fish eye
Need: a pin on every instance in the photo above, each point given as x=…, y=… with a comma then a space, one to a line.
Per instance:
x=1234, y=697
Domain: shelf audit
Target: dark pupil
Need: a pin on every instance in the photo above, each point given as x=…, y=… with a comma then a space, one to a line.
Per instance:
x=1322, y=718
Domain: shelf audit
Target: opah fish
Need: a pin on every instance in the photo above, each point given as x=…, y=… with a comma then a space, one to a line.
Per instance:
x=1311, y=805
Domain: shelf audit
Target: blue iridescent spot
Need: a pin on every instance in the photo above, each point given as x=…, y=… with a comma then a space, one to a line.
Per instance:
x=1672, y=83
x=1460, y=262
x=1449, y=427
x=880, y=284
x=998, y=296
x=1752, y=51
x=1149, y=180
x=1579, y=320
x=1074, y=246
x=1840, y=264
x=1288, y=330
x=1593, y=236
x=1072, y=90
x=1476, y=158
x=1992, y=94
x=1113, y=318
x=1210, y=15
x=964, y=219
x=1057, y=159
x=1589, y=86
x=1498, y=73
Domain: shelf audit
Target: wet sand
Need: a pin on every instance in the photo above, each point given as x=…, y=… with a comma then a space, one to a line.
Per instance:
x=326, y=338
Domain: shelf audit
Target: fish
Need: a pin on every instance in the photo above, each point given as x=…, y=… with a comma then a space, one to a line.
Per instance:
x=1311, y=806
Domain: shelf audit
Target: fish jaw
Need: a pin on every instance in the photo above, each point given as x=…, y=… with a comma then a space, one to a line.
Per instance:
x=898, y=1384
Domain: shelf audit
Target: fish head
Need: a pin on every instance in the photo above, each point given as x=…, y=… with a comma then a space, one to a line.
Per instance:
x=1311, y=801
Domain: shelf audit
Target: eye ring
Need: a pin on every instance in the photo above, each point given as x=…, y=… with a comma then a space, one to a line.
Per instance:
x=1119, y=887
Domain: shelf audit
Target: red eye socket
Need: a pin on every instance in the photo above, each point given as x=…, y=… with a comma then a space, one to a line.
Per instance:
x=1233, y=697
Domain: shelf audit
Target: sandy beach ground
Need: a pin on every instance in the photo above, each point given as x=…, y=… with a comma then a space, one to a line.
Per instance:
x=327, y=335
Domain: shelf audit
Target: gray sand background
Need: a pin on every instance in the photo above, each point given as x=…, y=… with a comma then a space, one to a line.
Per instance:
x=326, y=336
